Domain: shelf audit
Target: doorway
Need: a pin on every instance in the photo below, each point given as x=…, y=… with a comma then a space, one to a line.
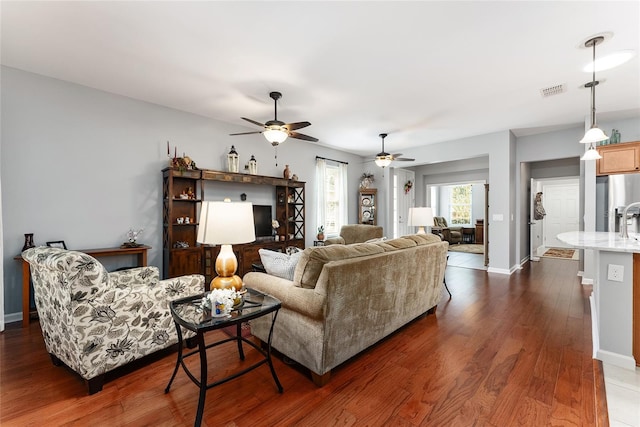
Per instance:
x=560, y=200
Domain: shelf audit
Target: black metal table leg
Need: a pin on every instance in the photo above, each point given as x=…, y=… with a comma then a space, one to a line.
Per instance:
x=269, y=362
x=202, y=348
x=239, y=340
x=178, y=359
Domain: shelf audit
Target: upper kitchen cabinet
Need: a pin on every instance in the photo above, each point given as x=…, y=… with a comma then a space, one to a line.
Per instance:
x=619, y=158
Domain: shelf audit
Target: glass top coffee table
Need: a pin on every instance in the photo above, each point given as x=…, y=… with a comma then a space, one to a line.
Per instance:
x=189, y=314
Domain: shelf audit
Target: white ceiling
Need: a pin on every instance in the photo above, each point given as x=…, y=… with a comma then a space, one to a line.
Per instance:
x=424, y=72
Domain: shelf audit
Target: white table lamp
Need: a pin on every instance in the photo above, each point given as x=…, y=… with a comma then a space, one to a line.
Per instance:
x=226, y=223
x=421, y=217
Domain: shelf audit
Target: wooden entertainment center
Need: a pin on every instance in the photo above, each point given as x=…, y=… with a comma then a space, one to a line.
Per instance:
x=183, y=193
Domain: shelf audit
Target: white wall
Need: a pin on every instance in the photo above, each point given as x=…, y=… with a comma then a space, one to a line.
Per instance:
x=83, y=166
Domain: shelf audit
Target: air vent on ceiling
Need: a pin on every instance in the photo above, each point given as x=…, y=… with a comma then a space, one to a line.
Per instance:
x=552, y=90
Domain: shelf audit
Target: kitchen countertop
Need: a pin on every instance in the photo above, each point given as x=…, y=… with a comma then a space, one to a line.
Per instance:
x=599, y=240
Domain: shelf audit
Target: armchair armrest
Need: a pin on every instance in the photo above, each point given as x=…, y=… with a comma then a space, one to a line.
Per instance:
x=141, y=275
x=334, y=241
x=183, y=286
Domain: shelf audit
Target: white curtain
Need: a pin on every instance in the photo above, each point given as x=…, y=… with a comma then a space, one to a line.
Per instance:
x=344, y=196
x=332, y=197
x=321, y=165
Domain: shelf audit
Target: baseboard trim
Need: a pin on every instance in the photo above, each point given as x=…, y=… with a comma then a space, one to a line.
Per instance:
x=616, y=359
x=13, y=317
x=502, y=270
x=524, y=261
x=595, y=338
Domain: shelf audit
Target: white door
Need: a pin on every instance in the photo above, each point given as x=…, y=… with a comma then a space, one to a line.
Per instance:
x=403, y=200
x=561, y=203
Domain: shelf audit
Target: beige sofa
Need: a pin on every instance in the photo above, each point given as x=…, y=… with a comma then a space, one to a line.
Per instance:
x=344, y=298
x=355, y=233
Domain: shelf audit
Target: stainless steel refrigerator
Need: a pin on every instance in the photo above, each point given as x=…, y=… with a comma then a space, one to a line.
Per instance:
x=613, y=193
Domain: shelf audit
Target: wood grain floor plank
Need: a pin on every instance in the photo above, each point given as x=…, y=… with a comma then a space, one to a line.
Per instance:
x=503, y=351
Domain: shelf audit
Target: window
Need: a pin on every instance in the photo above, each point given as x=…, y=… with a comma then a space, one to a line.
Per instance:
x=332, y=195
x=460, y=204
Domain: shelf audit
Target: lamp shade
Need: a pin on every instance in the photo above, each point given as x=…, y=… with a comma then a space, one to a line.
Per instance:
x=593, y=135
x=226, y=223
x=591, y=154
x=421, y=217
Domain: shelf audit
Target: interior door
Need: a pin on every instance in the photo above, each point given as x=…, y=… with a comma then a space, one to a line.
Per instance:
x=562, y=208
x=403, y=200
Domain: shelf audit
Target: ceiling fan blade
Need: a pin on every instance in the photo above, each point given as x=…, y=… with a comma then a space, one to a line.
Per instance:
x=245, y=133
x=396, y=155
x=404, y=159
x=302, y=136
x=253, y=121
x=295, y=126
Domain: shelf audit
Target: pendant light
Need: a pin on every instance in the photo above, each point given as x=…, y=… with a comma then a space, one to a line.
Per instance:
x=594, y=134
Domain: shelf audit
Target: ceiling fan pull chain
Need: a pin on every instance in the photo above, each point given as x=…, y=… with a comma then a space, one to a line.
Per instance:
x=276, y=150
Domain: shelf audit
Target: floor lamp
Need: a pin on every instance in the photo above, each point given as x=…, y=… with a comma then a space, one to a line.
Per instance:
x=226, y=223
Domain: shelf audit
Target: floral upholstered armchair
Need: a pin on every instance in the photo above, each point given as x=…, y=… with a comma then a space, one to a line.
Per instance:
x=94, y=321
x=450, y=234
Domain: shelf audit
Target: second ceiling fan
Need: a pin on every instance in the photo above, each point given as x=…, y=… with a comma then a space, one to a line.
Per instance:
x=276, y=131
x=384, y=159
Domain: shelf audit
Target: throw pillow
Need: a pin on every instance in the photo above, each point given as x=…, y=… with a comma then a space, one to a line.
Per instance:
x=279, y=264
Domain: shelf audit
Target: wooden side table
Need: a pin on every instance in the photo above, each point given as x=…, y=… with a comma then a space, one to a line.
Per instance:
x=140, y=252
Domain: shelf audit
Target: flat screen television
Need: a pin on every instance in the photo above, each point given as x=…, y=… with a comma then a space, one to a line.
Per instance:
x=262, y=221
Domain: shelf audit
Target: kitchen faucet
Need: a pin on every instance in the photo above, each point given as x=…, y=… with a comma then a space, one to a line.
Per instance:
x=623, y=225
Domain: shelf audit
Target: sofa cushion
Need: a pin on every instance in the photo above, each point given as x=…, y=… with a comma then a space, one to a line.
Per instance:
x=313, y=260
x=424, y=239
x=395, y=244
x=278, y=263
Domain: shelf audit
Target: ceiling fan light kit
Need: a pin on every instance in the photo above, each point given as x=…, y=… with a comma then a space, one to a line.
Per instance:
x=594, y=134
x=275, y=131
x=275, y=135
x=384, y=159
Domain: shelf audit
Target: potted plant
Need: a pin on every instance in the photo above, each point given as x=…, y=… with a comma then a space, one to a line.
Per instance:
x=320, y=235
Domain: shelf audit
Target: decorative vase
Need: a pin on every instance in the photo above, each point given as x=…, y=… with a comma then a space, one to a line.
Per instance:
x=28, y=241
x=320, y=237
x=287, y=172
x=365, y=183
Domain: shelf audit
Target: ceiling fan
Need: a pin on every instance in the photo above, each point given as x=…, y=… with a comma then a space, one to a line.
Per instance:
x=384, y=159
x=276, y=131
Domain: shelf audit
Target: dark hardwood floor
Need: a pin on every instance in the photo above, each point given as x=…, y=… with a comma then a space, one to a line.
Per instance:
x=504, y=351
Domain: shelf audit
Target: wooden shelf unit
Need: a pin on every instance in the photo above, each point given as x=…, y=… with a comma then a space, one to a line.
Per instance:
x=289, y=211
x=178, y=261
x=367, y=199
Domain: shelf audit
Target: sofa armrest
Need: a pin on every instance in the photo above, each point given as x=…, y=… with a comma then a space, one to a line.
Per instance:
x=334, y=241
x=145, y=275
x=301, y=300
